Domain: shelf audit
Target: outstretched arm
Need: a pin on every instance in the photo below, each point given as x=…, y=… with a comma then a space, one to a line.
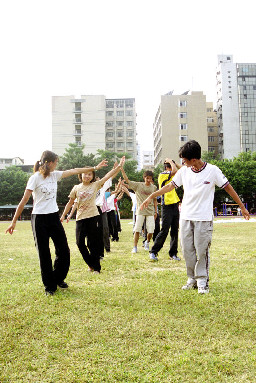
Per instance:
x=114, y=171
x=233, y=194
x=19, y=210
x=71, y=172
x=167, y=188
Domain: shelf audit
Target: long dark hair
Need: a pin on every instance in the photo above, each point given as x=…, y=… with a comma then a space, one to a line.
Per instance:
x=43, y=164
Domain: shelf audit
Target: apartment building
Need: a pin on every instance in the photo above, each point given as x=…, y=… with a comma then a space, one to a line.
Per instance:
x=179, y=118
x=121, y=126
x=148, y=160
x=96, y=122
x=236, y=106
x=5, y=162
x=212, y=129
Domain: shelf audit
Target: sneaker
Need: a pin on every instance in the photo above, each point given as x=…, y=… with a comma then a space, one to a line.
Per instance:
x=175, y=258
x=146, y=245
x=63, y=285
x=191, y=284
x=203, y=290
x=134, y=250
x=153, y=257
x=96, y=272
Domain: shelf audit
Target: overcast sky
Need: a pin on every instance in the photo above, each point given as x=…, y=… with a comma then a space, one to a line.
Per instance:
x=134, y=48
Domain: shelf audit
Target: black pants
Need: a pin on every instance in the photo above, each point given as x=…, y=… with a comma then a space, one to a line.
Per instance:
x=105, y=231
x=44, y=227
x=170, y=219
x=112, y=225
x=88, y=228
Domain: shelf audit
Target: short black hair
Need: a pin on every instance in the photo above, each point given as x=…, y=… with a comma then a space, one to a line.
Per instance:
x=148, y=173
x=190, y=150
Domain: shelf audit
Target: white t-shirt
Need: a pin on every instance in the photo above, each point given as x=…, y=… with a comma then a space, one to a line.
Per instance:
x=101, y=193
x=44, y=192
x=199, y=188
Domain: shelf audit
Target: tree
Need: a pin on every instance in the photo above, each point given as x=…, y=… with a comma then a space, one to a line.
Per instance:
x=13, y=182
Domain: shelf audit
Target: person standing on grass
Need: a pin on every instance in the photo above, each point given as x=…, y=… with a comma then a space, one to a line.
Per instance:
x=87, y=215
x=45, y=219
x=196, y=222
x=170, y=214
x=142, y=190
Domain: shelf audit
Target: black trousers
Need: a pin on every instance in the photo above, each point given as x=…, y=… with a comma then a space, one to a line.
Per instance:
x=44, y=227
x=170, y=219
x=88, y=228
x=113, y=231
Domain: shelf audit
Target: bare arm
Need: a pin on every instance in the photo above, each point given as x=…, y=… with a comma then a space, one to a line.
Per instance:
x=19, y=210
x=174, y=166
x=233, y=194
x=114, y=171
x=167, y=188
x=125, y=176
x=71, y=172
x=155, y=205
x=67, y=209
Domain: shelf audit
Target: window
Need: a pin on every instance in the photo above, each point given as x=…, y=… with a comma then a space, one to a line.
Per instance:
x=129, y=113
x=110, y=145
x=129, y=123
x=109, y=134
x=78, y=129
x=183, y=115
x=78, y=118
x=211, y=149
x=120, y=145
x=211, y=139
x=183, y=138
x=120, y=123
x=119, y=134
x=109, y=104
x=183, y=126
x=120, y=113
x=78, y=106
x=109, y=124
x=109, y=113
x=78, y=141
x=129, y=134
x=129, y=145
x=209, y=110
x=183, y=103
x=210, y=129
x=210, y=119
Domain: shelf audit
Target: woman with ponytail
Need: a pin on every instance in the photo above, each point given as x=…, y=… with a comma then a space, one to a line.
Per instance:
x=45, y=219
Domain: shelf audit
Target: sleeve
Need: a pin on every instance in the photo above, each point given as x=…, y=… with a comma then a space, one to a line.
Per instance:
x=58, y=174
x=31, y=185
x=73, y=194
x=220, y=180
x=133, y=185
x=107, y=184
x=177, y=179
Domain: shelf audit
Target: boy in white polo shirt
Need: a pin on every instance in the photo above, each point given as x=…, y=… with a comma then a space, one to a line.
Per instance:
x=196, y=219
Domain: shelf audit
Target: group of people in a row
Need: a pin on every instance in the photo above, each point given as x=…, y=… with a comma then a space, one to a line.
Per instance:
x=97, y=212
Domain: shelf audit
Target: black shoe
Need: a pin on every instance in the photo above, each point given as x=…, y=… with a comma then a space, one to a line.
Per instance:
x=108, y=250
x=63, y=285
x=175, y=258
x=49, y=292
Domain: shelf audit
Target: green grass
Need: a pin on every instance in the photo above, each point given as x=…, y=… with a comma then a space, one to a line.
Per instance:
x=131, y=323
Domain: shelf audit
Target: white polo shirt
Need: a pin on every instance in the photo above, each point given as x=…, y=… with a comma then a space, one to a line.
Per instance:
x=199, y=188
x=44, y=192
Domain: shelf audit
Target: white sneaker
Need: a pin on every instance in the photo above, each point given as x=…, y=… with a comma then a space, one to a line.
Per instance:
x=203, y=290
x=191, y=284
x=134, y=250
x=152, y=257
x=146, y=245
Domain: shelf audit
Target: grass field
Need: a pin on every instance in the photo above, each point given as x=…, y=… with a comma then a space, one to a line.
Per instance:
x=131, y=323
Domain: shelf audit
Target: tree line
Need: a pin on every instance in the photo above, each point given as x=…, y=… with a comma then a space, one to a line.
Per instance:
x=240, y=171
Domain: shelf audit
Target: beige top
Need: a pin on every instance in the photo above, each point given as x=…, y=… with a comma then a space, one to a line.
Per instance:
x=85, y=195
x=142, y=192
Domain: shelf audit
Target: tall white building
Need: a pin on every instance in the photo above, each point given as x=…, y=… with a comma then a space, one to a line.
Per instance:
x=96, y=122
x=236, y=106
x=80, y=121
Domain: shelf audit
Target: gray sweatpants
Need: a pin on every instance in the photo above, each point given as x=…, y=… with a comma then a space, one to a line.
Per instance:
x=196, y=239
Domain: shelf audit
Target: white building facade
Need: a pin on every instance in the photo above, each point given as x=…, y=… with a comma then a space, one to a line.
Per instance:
x=94, y=121
x=236, y=106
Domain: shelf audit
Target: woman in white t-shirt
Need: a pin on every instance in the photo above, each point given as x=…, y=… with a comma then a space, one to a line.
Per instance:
x=45, y=218
x=86, y=216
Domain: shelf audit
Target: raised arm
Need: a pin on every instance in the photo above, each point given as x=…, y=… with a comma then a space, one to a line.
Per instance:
x=114, y=171
x=233, y=194
x=124, y=175
x=71, y=172
x=19, y=210
x=167, y=188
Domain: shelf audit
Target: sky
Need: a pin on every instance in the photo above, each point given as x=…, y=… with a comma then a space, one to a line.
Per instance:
x=120, y=49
